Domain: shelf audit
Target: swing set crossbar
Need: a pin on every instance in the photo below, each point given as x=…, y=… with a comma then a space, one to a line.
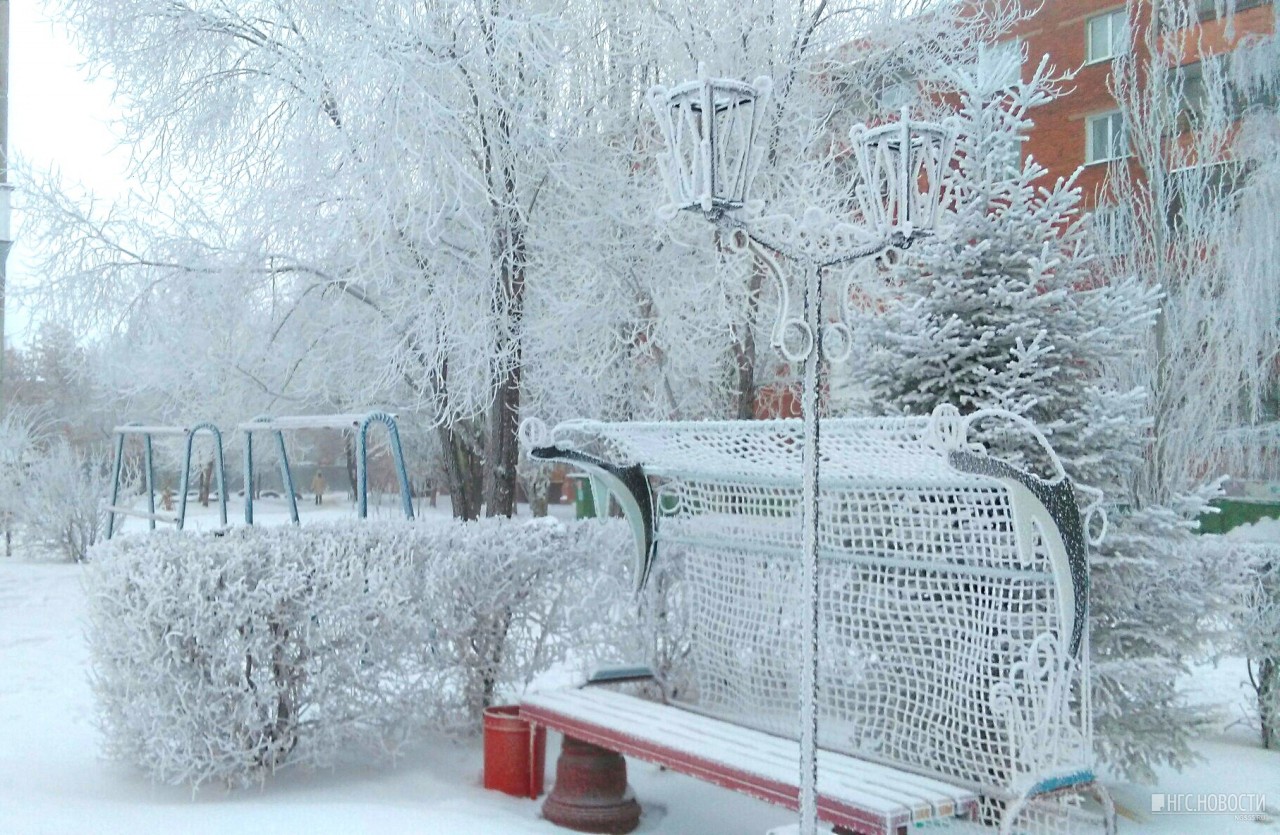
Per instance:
x=345, y=421
x=139, y=429
x=142, y=514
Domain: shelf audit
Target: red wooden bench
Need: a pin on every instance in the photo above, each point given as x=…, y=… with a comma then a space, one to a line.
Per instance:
x=855, y=794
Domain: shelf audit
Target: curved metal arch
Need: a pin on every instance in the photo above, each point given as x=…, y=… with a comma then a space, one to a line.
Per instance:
x=397, y=453
x=220, y=469
x=630, y=486
x=1047, y=508
x=147, y=431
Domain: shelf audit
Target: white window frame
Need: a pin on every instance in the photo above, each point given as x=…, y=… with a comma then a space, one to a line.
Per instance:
x=1114, y=229
x=894, y=95
x=1116, y=22
x=1116, y=122
x=998, y=53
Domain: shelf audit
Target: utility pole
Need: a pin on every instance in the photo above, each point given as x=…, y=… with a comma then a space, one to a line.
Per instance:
x=6, y=190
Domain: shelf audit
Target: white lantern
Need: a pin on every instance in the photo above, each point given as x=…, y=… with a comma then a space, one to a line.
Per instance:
x=904, y=167
x=710, y=127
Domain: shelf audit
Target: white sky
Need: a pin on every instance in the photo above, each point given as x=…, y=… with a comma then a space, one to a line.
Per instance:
x=59, y=119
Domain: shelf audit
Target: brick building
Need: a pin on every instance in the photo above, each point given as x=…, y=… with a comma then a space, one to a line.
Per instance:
x=1084, y=127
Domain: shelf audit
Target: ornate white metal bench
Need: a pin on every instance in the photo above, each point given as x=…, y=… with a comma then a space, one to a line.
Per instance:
x=953, y=639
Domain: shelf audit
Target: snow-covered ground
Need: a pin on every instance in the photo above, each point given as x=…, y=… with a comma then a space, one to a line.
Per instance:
x=54, y=780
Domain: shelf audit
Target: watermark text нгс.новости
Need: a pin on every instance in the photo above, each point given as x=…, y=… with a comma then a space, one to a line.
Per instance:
x=1242, y=806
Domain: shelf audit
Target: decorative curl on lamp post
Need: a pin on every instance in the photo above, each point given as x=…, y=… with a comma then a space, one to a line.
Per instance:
x=712, y=129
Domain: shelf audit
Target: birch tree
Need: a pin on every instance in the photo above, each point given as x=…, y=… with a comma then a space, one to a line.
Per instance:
x=1192, y=211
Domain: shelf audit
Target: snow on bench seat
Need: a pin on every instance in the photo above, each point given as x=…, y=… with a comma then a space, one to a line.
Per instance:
x=856, y=794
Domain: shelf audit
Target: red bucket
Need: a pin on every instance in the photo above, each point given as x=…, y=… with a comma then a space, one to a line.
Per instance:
x=515, y=752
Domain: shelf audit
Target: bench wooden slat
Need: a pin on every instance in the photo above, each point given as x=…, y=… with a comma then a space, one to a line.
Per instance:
x=692, y=731
x=860, y=795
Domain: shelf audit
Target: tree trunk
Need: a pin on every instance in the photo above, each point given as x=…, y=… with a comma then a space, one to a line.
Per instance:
x=744, y=347
x=536, y=478
x=502, y=446
x=206, y=477
x=462, y=469
x=349, y=451
x=1268, y=684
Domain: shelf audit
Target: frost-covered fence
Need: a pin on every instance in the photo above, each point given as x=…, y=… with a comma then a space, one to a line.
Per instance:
x=222, y=657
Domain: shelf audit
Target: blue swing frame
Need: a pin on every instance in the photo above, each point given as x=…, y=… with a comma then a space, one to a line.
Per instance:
x=361, y=422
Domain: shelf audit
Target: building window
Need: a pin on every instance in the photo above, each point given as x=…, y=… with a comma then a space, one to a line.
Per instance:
x=1106, y=36
x=1105, y=137
x=1208, y=9
x=1114, y=228
x=1209, y=93
x=1174, y=16
x=1000, y=64
x=1198, y=191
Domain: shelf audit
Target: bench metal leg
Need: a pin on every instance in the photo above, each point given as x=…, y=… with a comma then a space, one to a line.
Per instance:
x=591, y=792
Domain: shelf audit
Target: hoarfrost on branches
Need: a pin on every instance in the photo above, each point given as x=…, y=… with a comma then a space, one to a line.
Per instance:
x=221, y=658
x=1194, y=211
x=444, y=208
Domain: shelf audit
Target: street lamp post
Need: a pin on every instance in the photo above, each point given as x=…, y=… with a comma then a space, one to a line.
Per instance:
x=711, y=128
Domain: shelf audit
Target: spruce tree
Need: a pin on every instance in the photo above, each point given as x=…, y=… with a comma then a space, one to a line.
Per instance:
x=1008, y=308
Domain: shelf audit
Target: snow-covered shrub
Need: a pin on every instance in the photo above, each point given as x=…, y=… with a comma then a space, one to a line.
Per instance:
x=62, y=502
x=666, y=629
x=22, y=436
x=216, y=657
x=223, y=657
x=1255, y=619
x=508, y=598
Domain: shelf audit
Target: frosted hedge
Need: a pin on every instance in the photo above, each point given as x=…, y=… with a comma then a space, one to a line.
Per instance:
x=223, y=657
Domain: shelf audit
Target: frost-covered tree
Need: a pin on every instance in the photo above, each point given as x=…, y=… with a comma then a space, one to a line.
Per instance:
x=1007, y=309
x=442, y=206
x=23, y=433
x=61, y=507
x=1193, y=211
x=368, y=176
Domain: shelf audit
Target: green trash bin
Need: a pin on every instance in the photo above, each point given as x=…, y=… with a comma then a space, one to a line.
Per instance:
x=1232, y=513
x=584, y=506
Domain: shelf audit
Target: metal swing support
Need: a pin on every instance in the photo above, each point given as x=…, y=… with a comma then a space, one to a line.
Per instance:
x=147, y=432
x=360, y=422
